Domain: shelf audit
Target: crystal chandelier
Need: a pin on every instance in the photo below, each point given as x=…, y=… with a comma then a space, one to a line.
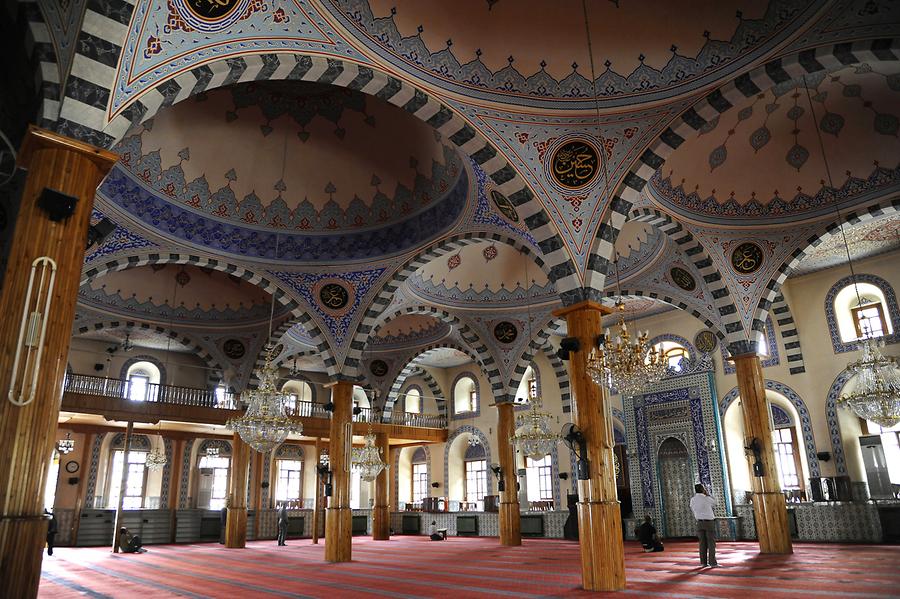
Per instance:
x=265, y=425
x=367, y=460
x=474, y=441
x=156, y=460
x=627, y=365
x=877, y=394
x=533, y=436
x=212, y=452
x=66, y=445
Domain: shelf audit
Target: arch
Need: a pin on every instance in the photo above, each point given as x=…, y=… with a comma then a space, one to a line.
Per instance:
x=691, y=350
x=214, y=376
x=893, y=310
x=772, y=357
x=222, y=445
x=833, y=228
x=409, y=391
x=805, y=423
x=301, y=381
x=562, y=377
x=834, y=425
x=374, y=316
x=454, y=415
x=42, y=54
x=787, y=328
x=123, y=373
x=89, y=126
x=632, y=293
x=410, y=450
x=526, y=358
x=138, y=442
x=485, y=442
x=689, y=124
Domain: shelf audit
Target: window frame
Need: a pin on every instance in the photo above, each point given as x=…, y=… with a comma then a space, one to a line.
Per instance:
x=114, y=481
x=419, y=482
x=215, y=469
x=544, y=475
x=782, y=457
x=854, y=315
x=478, y=476
x=279, y=462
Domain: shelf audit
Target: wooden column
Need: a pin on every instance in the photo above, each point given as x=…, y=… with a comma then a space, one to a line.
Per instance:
x=175, y=487
x=80, y=499
x=236, y=521
x=122, y=482
x=510, y=515
x=599, y=515
x=338, y=529
x=768, y=501
x=27, y=433
x=317, y=498
x=381, y=515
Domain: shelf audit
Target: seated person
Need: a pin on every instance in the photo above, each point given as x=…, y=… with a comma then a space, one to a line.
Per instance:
x=646, y=534
x=435, y=535
x=129, y=543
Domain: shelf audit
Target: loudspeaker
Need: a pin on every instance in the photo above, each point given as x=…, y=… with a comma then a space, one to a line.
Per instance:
x=824, y=456
x=566, y=346
x=56, y=204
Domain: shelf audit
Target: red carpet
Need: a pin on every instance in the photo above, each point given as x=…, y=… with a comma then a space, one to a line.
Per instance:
x=471, y=567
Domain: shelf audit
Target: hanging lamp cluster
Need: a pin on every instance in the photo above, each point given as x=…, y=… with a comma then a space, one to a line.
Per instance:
x=66, y=445
x=877, y=393
x=533, y=436
x=367, y=459
x=156, y=460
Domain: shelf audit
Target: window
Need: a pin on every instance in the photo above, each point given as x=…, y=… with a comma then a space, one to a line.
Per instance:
x=787, y=456
x=218, y=489
x=869, y=320
x=538, y=479
x=413, y=404
x=290, y=480
x=476, y=480
x=137, y=387
x=142, y=378
x=890, y=443
x=419, y=482
x=135, y=479
x=220, y=396
x=672, y=353
x=860, y=312
x=465, y=395
x=528, y=387
x=355, y=489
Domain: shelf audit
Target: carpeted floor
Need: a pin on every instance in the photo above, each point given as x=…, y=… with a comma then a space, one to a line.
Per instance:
x=464, y=567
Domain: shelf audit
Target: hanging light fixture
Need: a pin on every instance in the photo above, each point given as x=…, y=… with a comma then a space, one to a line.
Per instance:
x=212, y=451
x=66, y=445
x=367, y=459
x=877, y=393
x=533, y=436
x=156, y=460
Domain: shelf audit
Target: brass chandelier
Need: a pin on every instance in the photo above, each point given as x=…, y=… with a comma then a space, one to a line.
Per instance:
x=533, y=436
x=877, y=394
x=367, y=459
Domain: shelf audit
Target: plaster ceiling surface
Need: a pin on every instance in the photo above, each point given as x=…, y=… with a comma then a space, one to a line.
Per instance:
x=166, y=292
x=140, y=338
x=761, y=162
x=484, y=265
x=877, y=236
x=507, y=50
x=443, y=357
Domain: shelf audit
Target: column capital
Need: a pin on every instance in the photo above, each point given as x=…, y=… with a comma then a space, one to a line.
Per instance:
x=585, y=305
x=39, y=139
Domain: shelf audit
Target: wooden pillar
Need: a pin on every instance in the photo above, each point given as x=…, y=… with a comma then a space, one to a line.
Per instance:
x=175, y=487
x=27, y=433
x=80, y=499
x=338, y=529
x=769, y=505
x=122, y=482
x=317, y=498
x=381, y=515
x=510, y=515
x=236, y=520
x=599, y=515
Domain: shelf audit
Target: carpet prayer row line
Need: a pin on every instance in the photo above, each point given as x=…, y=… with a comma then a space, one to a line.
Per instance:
x=414, y=567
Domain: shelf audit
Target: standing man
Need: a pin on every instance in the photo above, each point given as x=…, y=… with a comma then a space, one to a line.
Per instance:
x=52, y=528
x=282, y=524
x=702, y=505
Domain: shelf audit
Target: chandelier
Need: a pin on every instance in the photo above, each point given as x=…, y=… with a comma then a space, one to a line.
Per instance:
x=474, y=441
x=877, y=394
x=66, y=445
x=533, y=436
x=265, y=425
x=627, y=365
x=212, y=452
x=156, y=460
x=367, y=459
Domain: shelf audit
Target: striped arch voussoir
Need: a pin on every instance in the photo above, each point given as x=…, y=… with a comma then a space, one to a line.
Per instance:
x=42, y=55
x=527, y=357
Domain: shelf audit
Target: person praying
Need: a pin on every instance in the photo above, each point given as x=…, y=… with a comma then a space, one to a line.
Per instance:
x=646, y=534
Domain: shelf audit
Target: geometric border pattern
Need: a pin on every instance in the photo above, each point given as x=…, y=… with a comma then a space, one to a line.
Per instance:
x=789, y=336
x=834, y=424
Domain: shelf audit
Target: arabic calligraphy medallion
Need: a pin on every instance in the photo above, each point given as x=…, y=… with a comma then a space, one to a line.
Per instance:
x=747, y=258
x=575, y=164
x=210, y=15
x=706, y=341
x=683, y=278
x=505, y=332
x=334, y=296
x=234, y=349
x=378, y=367
x=504, y=206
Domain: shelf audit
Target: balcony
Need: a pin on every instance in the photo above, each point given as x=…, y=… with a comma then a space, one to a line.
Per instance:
x=121, y=400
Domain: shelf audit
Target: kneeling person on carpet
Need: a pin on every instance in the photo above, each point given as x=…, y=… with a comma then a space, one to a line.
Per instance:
x=435, y=535
x=129, y=543
x=646, y=533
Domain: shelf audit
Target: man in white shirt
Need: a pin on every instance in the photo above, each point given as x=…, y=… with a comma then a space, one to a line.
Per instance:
x=702, y=505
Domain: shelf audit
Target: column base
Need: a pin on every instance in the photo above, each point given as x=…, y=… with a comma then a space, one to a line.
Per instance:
x=236, y=528
x=381, y=523
x=602, y=547
x=338, y=534
x=770, y=511
x=510, y=524
x=20, y=568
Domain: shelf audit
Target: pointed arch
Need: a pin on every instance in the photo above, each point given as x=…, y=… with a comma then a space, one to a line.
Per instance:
x=526, y=358
x=787, y=328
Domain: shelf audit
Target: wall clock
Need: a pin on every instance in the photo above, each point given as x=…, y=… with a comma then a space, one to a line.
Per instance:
x=71, y=466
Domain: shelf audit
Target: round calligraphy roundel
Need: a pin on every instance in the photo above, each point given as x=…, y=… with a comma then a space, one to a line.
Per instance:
x=747, y=258
x=683, y=278
x=706, y=341
x=210, y=15
x=505, y=207
x=334, y=296
x=505, y=332
x=575, y=164
x=378, y=367
x=234, y=348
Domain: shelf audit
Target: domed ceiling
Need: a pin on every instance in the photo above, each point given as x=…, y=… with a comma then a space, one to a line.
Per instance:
x=443, y=357
x=138, y=337
x=761, y=160
x=505, y=50
x=184, y=294
x=483, y=273
x=408, y=330
x=868, y=239
x=341, y=175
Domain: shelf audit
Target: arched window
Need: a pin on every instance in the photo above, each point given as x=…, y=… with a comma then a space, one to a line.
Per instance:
x=214, y=469
x=860, y=309
x=140, y=376
x=539, y=479
x=296, y=391
x=673, y=353
x=413, y=402
x=465, y=395
x=787, y=449
x=419, y=475
x=476, y=475
x=136, y=475
x=289, y=474
x=528, y=387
